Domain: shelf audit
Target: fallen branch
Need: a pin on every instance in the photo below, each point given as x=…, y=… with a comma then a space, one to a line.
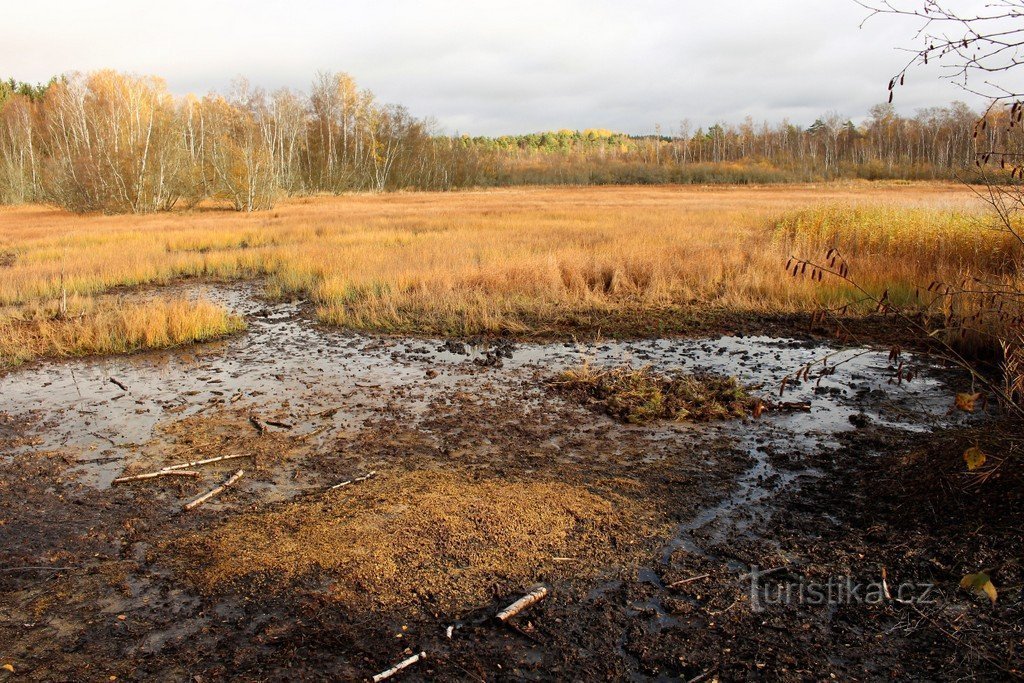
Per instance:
x=792, y=406
x=282, y=425
x=154, y=475
x=259, y=424
x=210, y=494
x=197, y=463
x=531, y=598
x=353, y=481
x=384, y=675
x=676, y=584
x=122, y=385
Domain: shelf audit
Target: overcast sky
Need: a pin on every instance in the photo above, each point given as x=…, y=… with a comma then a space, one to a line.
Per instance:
x=490, y=67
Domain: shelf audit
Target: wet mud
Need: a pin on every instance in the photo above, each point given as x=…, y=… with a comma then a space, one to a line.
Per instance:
x=96, y=581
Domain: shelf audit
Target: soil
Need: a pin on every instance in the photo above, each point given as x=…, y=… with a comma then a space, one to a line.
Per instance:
x=487, y=483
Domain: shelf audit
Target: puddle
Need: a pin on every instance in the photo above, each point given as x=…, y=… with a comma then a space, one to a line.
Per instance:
x=288, y=361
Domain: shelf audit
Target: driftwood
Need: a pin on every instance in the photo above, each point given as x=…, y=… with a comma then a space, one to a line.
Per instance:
x=197, y=463
x=531, y=598
x=793, y=406
x=210, y=494
x=353, y=481
x=122, y=385
x=259, y=424
x=282, y=425
x=384, y=675
x=154, y=475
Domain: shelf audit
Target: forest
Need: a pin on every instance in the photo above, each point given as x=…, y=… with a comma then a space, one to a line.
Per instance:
x=120, y=143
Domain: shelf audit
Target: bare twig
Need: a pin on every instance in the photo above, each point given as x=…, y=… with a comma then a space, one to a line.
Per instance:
x=154, y=475
x=207, y=461
x=210, y=494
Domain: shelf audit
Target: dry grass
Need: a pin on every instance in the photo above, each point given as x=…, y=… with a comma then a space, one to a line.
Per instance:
x=916, y=245
x=105, y=327
x=515, y=260
x=640, y=395
x=447, y=543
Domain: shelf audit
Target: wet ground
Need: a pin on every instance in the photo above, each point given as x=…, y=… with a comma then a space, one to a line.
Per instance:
x=91, y=586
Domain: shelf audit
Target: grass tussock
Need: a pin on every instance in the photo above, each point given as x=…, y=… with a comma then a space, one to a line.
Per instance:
x=640, y=395
x=92, y=327
x=447, y=543
x=519, y=260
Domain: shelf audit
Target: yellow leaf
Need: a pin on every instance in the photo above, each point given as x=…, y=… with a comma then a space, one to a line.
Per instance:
x=965, y=401
x=980, y=584
x=974, y=458
x=8, y=667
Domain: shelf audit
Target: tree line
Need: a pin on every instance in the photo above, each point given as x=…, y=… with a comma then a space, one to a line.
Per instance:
x=117, y=143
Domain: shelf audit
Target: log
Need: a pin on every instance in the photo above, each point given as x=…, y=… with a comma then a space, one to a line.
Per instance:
x=282, y=425
x=210, y=494
x=353, y=481
x=197, y=463
x=531, y=598
x=384, y=675
x=154, y=475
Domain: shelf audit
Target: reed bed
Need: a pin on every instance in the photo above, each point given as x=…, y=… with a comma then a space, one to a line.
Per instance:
x=109, y=327
x=519, y=260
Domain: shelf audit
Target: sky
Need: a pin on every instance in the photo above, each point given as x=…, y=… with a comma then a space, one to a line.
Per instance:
x=488, y=67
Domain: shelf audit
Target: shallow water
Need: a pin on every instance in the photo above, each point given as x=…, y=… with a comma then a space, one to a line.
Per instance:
x=287, y=359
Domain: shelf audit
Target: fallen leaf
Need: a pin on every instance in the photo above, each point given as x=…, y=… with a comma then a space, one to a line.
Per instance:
x=974, y=458
x=759, y=408
x=981, y=584
x=965, y=401
x=8, y=667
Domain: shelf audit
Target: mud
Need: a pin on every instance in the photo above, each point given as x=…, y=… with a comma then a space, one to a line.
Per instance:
x=92, y=583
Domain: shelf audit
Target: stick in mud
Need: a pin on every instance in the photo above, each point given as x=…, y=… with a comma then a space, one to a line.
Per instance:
x=796, y=406
x=154, y=475
x=122, y=385
x=210, y=494
x=533, y=597
x=196, y=463
x=260, y=426
x=384, y=675
x=683, y=582
x=353, y=481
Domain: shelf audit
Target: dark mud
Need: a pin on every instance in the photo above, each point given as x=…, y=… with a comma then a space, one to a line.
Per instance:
x=90, y=586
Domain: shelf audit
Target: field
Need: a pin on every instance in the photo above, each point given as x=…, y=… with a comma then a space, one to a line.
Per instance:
x=535, y=262
x=427, y=403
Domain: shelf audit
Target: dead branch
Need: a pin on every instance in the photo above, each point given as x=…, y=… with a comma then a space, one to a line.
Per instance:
x=353, y=481
x=210, y=494
x=154, y=475
x=384, y=675
x=793, y=406
x=119, y=383
x=259, y=424
x=676, y=584
x=197, y=463
x=531, y=598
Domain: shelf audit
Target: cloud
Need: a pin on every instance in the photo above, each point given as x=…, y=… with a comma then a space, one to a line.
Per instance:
x=496, y=66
